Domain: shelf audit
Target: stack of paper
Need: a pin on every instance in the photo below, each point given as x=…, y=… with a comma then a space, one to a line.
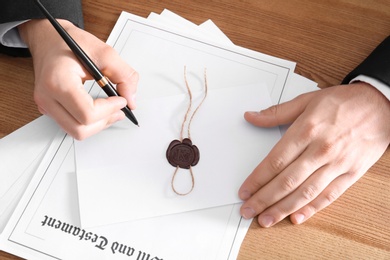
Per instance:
x=110, y=196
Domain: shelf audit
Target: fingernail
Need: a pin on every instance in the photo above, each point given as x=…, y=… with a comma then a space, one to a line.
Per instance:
x=134, y=97
x=254, y=113
x=133, y=101
x=248, y=213
x=299, y=218
x=245, y=195
x=266, y=221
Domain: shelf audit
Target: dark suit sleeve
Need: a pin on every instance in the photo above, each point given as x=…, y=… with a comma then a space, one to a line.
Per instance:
x=376, y=65
x=19, y=10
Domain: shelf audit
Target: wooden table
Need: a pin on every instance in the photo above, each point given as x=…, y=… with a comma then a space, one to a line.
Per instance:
x=327, y=38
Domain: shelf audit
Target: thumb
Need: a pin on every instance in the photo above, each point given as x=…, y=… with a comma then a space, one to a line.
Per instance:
x=281, y=114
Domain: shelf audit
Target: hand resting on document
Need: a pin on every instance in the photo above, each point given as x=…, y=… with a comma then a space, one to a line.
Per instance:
x=336, y=135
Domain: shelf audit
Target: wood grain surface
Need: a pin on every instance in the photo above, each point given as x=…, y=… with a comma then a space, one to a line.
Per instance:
x=327, y=39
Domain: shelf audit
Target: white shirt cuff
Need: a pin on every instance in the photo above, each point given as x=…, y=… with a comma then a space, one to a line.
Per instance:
x=9, y=35
x=382, y=87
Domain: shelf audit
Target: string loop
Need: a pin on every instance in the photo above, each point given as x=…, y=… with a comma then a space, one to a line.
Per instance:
x=189, y=128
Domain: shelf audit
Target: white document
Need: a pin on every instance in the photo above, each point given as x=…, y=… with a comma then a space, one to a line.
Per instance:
x=20, y=153
x=133, y=172
x=18, y=145
x=46, y=223
x=133, y=159
x=160, y=54
x=216, y=233
x=206, y=31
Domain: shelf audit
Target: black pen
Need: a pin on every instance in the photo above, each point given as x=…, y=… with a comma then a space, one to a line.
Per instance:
x=103, y=82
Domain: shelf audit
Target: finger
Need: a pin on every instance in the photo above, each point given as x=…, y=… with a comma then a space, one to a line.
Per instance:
x=82, y=107
x=121, y=74
x=72, y=126
x=281, y=155
x=285, y=152
x=283, y=184
x=127, y=89
x=334, y=190
x=303, y=195
x=268, y=188
x=284, y=113
x=84, y=131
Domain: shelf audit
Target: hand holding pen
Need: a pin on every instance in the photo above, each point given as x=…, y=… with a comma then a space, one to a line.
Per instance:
x=59, y=78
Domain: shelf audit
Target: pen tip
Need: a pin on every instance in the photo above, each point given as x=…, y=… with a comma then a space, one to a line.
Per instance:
x=138, y=125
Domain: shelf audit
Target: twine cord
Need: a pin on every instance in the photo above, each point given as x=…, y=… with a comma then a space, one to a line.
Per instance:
x=189, y=128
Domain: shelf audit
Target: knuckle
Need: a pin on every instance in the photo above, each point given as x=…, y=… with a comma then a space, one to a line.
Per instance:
x=326, y=148
x=105, y=52
x=310, y=192
x=281, y=211
x=353, y=175
x=313, y=209
x=310, y=210
x=106, y=49
x=259, y=204
x=109, y=50
x=331, y=196
x=256, y=182
x=274, y=109
x=288, y=183
x=78, y=135
x=88, y=115
x=48, y=82
x=87, y=118
x=277, y=164
x=309, y=130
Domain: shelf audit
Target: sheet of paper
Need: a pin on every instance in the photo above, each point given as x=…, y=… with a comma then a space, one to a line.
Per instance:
x=9, y=201
x=22, y=145
x=159, y=55
x=46, y=223
x=211, y=27
x=180, y=25
x=56, y=181
x=205, y=31
x=135, y=174
x=56, y=197
x=218, y=129
x=52, y=194
x=21, y=153
x=297, y=84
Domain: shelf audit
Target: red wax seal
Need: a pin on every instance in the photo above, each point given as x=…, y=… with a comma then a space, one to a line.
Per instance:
x=183, y=154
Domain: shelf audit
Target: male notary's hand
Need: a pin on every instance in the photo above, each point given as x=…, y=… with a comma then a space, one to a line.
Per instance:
x=59, y=78
x=336, y=135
